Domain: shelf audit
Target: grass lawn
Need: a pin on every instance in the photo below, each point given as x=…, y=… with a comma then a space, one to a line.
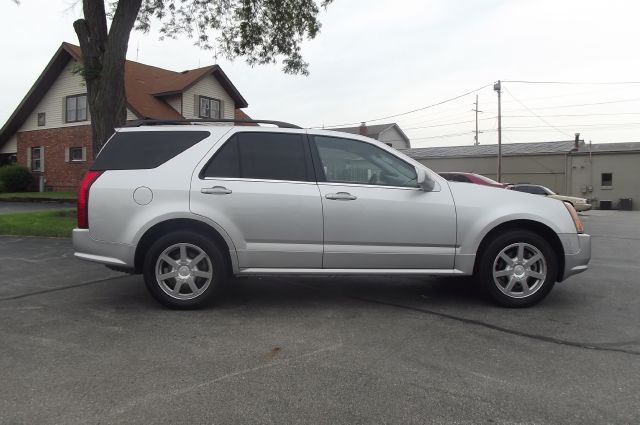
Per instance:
x=57, y=223
x=71, y=196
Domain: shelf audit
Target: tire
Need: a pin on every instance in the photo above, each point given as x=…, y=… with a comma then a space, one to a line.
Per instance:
x=173, y=278
x=518, y=268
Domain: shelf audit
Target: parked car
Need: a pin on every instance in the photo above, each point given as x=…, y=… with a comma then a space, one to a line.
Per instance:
x=188, y=206
x=580, y=204
x=472, y=178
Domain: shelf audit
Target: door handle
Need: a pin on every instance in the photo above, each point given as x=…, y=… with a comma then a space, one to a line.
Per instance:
x=216, y=190
x=341, y=196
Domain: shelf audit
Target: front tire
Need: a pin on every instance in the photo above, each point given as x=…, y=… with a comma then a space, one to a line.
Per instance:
x=182, y=270
x=518, y=268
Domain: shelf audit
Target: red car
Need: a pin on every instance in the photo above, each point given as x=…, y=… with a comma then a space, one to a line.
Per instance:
x=472, y=178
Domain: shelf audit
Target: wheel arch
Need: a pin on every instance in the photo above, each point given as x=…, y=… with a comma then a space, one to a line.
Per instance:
x=174, y=224
x=524, y=224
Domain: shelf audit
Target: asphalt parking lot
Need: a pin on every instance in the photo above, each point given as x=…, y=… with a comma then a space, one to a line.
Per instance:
x=80, y=344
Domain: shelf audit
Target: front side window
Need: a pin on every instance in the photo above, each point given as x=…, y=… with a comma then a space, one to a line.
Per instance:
x=209, y=107
x=351, y=161
x=607, y=179
x=36, y=159
x=76, y=108
x=264, y=156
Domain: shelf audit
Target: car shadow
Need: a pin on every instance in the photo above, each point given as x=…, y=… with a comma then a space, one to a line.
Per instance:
x=315, y=293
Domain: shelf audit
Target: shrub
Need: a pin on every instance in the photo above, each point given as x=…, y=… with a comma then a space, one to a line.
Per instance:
x=15, y=178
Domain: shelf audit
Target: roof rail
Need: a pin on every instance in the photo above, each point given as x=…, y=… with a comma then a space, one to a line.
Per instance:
x=140, y=123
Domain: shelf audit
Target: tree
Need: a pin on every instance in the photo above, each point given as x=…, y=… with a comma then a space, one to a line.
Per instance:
x=261, y=31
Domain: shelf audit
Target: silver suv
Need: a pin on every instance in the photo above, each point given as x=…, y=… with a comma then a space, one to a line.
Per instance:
x=189, y=206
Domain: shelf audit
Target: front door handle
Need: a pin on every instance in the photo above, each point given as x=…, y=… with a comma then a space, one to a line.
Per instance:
x=215, y=190
x=341, y=196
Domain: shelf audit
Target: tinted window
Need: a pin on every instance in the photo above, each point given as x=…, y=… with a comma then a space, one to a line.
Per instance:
x=535, y=190
x=270, y=156
x=137, y=150
x=351, y=161
x=456, y=178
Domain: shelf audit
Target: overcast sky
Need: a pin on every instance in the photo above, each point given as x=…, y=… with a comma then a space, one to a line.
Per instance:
x=379, y=58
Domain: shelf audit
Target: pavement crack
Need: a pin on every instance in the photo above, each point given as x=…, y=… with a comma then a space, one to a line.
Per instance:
x=61, y=288
x=548, y=339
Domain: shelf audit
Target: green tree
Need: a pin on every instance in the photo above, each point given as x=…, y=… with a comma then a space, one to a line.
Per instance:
x=260, y=31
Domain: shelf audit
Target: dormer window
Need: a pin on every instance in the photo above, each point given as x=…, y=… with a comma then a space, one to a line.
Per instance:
x=209, y=107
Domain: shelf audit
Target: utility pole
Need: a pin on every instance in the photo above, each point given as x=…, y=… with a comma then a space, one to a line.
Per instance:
x=476, y=110
x=497, y=87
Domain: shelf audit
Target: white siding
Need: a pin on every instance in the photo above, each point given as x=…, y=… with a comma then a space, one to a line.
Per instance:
x=210, y=87
x=131, y=116
x=394, y=137
x=52, y=103
x=11, y=146
x=175, y=102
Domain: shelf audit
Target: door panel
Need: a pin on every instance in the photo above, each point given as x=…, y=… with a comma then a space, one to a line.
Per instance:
x=273, y=224
x=394, y=228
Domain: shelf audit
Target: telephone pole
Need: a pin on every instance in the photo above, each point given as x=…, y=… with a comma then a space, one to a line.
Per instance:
x=497, y=87
x=476, y=110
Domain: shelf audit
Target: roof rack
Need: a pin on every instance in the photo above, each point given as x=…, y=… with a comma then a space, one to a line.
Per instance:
x=140, y=123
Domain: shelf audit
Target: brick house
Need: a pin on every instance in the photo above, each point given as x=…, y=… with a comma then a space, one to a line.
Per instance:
x=50, y=130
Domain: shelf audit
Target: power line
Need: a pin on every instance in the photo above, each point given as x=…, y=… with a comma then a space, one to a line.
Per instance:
x=572, y=82
x=408, y=112
x=573, y=115
x=539, y=117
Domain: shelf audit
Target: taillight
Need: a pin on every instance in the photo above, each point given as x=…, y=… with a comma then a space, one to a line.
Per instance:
x=83, y=198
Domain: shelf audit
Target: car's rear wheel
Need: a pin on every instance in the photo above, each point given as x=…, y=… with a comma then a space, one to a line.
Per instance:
x=182, y=270
x=518, y=268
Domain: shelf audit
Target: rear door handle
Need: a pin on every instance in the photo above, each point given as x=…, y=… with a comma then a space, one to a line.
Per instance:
x=341, y=196
x=216, y=190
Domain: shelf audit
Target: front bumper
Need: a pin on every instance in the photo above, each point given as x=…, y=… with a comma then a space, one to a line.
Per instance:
x=108, y=253
x=577, y=254
x=582, y=207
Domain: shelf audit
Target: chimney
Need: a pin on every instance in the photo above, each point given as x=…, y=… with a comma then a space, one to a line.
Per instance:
x=576, y=143
x=363, y=130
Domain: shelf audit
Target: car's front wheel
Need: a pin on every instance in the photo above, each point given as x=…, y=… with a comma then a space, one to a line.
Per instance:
x=183, y=269
x=518, y=268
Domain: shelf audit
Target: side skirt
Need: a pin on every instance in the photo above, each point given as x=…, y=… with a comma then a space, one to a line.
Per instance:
x=251, y=271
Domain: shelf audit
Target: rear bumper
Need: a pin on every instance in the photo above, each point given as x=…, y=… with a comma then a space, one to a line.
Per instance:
x=577, y=254
x=108, y=253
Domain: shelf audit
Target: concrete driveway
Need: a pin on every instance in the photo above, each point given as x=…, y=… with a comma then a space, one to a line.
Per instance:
x=82, y=345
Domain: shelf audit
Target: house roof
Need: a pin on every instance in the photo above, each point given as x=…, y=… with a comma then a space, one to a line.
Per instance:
x=145, y=87
x=491, y=150
x=509, y=149
x=373, y=131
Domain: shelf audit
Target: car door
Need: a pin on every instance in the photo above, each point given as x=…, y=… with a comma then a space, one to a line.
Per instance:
x=260, y=187
x=375, y=216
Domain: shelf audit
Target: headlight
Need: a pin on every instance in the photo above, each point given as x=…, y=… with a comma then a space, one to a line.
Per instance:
x=574, y=217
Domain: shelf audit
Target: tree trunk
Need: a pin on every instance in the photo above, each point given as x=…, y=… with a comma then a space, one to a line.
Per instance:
x=103, y=56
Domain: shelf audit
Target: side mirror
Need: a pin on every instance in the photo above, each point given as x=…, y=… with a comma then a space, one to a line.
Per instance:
x=425, y=182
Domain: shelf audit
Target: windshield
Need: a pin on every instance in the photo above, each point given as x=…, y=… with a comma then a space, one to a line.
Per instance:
x=549, y=191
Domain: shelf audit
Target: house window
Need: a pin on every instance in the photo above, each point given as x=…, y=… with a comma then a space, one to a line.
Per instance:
x=36, y=159
x=607, y=179
x=76, y=154
x=209, y=108
x=41, y=119
x=76, y=108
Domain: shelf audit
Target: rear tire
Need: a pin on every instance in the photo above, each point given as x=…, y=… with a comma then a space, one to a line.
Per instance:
x=517, y=268
x=183, y=270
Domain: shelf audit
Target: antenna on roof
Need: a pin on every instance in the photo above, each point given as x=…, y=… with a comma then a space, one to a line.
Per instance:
x=137, y=50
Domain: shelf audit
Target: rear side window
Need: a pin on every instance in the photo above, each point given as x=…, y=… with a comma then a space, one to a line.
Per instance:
x=139, y=150
x=269, y=156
